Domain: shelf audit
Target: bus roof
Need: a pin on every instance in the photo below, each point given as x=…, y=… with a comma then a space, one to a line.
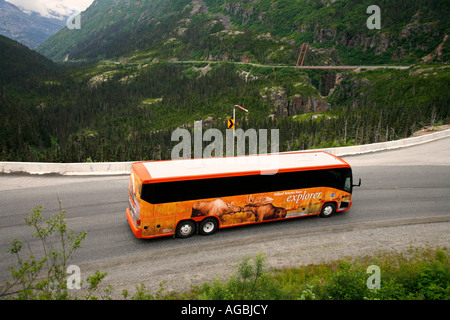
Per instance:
x=187, y=169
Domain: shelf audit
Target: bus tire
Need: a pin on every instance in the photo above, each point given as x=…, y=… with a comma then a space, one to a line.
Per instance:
x=328, y=209
x=185, y=229
x=208, y=226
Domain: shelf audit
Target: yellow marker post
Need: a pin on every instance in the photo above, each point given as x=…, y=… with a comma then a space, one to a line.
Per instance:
x=230, y=124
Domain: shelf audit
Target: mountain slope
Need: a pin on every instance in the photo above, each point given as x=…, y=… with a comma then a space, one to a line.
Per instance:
x=29, y=29
x=258, y=31
x=126, y=107
x=111, y=28
x=19, y=63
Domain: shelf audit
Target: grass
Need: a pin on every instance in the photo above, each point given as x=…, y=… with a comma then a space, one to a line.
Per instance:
x=419, y=274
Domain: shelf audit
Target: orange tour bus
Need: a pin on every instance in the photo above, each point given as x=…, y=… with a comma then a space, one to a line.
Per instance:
x=187, y=196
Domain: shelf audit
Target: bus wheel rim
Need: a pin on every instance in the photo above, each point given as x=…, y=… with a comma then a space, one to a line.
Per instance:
x=328, y=210
x=208, y=227
x=186, y=229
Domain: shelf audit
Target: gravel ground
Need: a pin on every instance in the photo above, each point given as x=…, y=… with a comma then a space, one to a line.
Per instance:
x=281, y=251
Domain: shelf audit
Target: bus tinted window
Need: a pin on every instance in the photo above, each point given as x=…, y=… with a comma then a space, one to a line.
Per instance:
x=221, y=187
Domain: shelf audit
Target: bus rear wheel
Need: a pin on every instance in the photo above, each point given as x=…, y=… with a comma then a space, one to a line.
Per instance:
x=328, y=210
x=185, y=229
x=208, y=226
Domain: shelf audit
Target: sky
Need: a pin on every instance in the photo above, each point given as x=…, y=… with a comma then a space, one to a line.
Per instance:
x=44, y=7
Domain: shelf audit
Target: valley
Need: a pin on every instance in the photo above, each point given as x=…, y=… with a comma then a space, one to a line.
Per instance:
x=116, y=89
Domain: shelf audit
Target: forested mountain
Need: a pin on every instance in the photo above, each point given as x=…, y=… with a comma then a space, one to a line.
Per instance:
x=125, y=87
x=19, y=63
x=259, y=31
x=29, y=29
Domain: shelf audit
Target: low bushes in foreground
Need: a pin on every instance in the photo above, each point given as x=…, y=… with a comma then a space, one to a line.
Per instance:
x=420, y=274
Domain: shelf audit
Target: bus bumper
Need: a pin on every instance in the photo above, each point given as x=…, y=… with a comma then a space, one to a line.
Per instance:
x=137, y=232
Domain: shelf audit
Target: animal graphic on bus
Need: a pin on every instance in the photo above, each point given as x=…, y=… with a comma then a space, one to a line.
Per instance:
x=257, y=209
x=217, y=207
x=263, y=209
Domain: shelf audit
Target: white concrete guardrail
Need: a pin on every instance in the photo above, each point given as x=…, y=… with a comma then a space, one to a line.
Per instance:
x=123, y=168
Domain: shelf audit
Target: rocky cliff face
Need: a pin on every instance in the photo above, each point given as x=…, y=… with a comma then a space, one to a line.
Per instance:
x=380, y=42
x=273, y=31
x=327, y=83
x=295, y=104
x=409, y=30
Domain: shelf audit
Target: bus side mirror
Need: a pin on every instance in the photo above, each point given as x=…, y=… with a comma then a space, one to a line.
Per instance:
x=359, y=184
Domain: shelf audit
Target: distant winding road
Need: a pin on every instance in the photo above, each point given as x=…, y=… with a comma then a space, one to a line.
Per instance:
x=299, y=67
x=400, y=188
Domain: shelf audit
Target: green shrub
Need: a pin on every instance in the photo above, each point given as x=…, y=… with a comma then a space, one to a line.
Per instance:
x=250, y=282
x=346, y=282
x=424, y=276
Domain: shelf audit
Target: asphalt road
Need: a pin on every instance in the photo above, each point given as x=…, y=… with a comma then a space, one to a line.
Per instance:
x=400, y=187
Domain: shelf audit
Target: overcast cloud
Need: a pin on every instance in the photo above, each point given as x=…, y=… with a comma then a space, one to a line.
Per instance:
x=45, y=7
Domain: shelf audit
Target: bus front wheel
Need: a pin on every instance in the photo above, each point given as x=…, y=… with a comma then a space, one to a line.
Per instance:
x=208, y=226
x=328, y=210
x=185, y=229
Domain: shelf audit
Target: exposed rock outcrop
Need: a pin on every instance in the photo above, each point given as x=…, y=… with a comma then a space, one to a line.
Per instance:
x=296, y=104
